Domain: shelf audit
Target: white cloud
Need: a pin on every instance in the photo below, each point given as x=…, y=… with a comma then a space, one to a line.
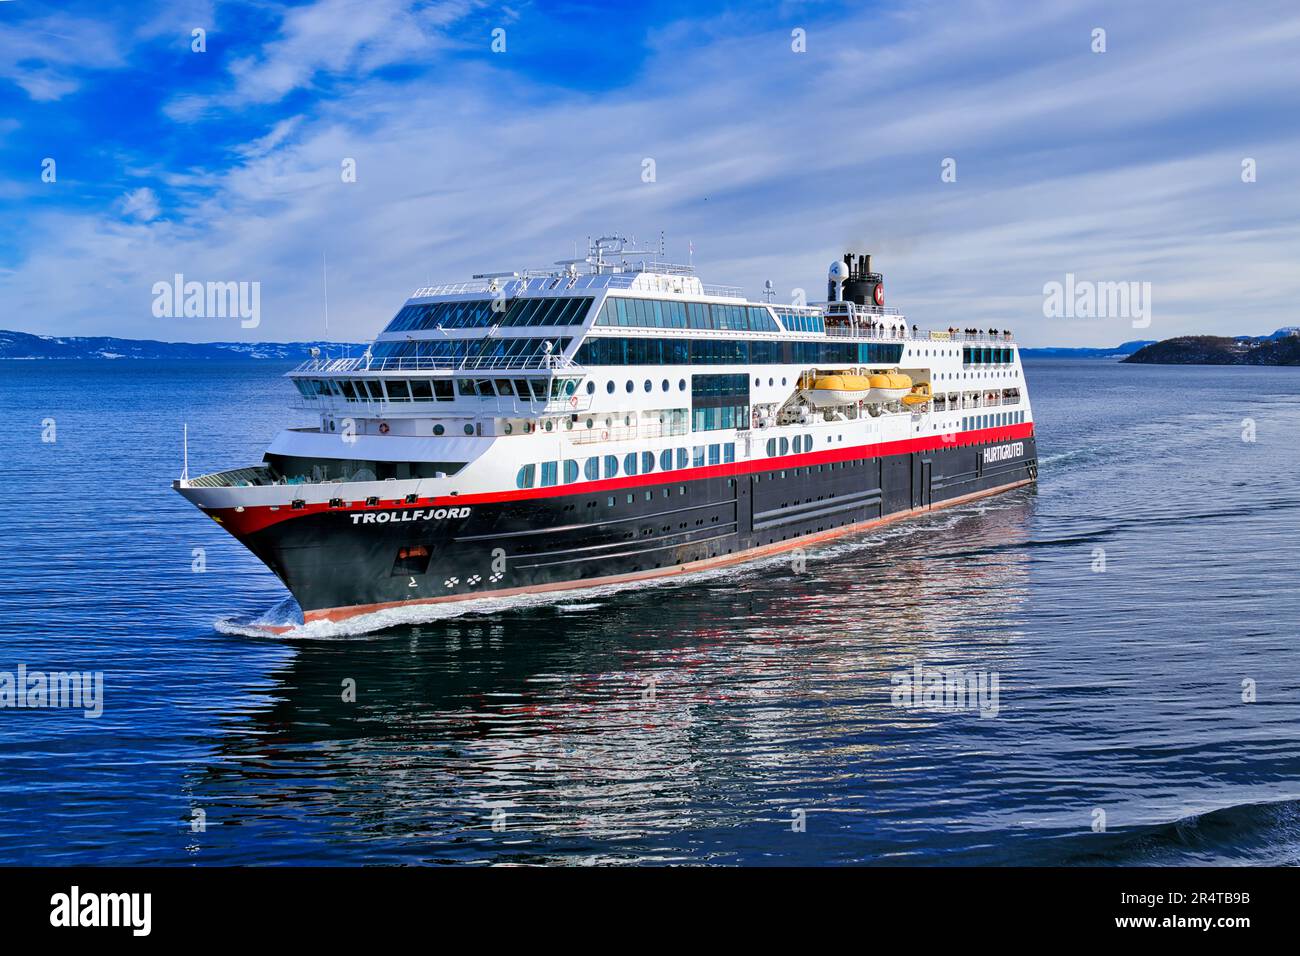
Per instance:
x=140, y=204
x=1118, y=166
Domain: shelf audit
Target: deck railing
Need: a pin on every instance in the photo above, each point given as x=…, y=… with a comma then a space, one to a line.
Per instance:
x=428, y=363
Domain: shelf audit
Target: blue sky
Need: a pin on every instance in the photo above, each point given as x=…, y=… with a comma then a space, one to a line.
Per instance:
x=225, y=165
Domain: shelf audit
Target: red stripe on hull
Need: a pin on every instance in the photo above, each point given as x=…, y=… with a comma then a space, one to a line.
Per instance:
x=255, y=519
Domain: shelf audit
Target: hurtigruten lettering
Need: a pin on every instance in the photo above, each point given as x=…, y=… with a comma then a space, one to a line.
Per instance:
x=1003, y=452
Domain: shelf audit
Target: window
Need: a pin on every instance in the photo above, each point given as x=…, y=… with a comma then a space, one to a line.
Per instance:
x=683, y=458
x=647, y=462
x=611, y=466
x=715, y=454
x=591, y=469
x=729, y=452
x=526, y=476
x=697, y=456
x=629, y=463
x=771, y=447
x=666, y=460
x=550, y=473
x=438, y=429
x=570, y=471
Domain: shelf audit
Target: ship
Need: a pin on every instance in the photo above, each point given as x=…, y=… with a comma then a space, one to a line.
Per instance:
x=613, y=419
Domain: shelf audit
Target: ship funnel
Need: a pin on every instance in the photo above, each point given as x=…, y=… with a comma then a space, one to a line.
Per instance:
x=862, y=286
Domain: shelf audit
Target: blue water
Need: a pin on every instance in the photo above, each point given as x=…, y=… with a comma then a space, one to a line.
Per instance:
x=686, y=722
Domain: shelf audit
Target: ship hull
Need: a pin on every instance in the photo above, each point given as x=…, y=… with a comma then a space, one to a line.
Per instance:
x=353, y=560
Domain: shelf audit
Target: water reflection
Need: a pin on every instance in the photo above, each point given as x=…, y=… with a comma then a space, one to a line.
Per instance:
x=626, y=726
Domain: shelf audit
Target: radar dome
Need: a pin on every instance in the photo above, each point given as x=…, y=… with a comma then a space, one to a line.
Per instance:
x=838, y=271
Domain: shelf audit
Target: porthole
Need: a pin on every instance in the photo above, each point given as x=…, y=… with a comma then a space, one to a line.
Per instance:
x=648, y=385
x=509, y=429
x=665, y=385
x=629, y=386
x=438, y=429
x=609, y=386
x=681, y=385
x=469, y=429
x=591, y=388
x=549, y=426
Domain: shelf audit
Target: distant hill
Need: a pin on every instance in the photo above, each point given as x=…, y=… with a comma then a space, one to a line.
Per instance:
x=1119, y=351
x=20, y=345
x=1217, y=350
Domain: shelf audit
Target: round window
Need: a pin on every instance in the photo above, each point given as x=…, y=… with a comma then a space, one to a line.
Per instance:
x=591, y=387
x=469, y=429
x=665, y=385
x=438, y=429
x=648, y=385
x=609, y=386
x=629, y=385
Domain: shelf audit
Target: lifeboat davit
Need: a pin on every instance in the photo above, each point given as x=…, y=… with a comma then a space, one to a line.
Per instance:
x=887, y=387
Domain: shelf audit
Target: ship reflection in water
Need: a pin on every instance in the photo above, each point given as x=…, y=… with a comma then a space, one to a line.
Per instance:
x=742, y=714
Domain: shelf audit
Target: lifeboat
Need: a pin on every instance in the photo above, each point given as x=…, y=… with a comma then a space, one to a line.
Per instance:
x=887, y=387
x=919, y=395
x=837, y=389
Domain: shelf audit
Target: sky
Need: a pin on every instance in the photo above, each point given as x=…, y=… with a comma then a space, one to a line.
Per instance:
x=980, y=151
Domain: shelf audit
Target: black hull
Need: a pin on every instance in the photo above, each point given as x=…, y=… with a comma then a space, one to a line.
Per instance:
x=343, y=562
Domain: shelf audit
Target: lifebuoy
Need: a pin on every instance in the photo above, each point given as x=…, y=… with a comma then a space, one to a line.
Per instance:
x=604, y=436
x=879, y=293
x=574, y=401
x=383, y=428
